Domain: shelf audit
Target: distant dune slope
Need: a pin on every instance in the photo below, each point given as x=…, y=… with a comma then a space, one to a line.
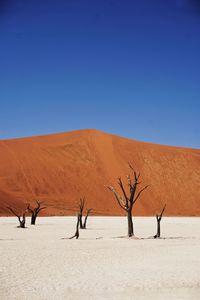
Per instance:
x=60, y=168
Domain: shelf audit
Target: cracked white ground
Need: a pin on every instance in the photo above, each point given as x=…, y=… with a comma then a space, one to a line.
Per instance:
x=36, y=263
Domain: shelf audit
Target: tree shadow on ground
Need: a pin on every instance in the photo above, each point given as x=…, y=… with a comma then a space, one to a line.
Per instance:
x=153, y=238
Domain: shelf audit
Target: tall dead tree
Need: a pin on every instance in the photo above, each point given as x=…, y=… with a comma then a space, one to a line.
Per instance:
x=125, y=201
x=86, y=216
x=76, y=235
x=21, y=218
x=35, y=211
x=159, y=218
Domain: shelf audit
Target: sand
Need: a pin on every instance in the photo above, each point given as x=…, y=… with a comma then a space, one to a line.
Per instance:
x=36, y=263
x=61, y=168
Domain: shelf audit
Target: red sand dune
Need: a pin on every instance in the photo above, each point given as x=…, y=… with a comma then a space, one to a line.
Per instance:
x=61, y=168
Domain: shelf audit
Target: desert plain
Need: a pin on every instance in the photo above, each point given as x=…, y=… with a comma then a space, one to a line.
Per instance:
x=37, y=263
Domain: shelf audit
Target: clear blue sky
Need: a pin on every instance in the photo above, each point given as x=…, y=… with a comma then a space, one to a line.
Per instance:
x=122, y=66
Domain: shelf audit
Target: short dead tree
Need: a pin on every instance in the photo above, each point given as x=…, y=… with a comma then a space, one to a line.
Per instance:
x=86, y=216
x=21, y=218
x=159, y=218
x=76, y=235
x=81, y=208
x=35, y=211
x=81, y=213
x=125, y=201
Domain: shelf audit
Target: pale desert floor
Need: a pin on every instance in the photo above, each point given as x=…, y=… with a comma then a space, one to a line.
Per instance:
x=36, y=263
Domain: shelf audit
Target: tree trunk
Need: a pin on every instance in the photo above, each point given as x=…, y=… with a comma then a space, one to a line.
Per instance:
x=85, y=221
x=22, y=224
x=130, y=223
x=158, y=229
x=33, y=219
x=81, y=222
x=76, y=235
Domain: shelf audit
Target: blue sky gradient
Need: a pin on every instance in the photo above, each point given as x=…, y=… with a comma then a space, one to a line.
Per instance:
x=126, y=67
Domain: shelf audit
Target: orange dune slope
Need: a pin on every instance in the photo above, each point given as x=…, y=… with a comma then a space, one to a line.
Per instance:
x=61, y=168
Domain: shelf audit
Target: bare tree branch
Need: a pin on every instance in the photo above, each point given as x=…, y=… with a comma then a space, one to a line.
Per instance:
x=131, y=167
x=12, y=211
x=122, y=187
x=21, y=218
x=117, y=197
x=140, y=192
x=162, y=211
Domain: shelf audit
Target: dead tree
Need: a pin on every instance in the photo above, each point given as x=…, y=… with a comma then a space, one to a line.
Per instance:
x=81, y=208
x=158, y=218
x=125, y=201
x=76, y=235
x=21, y=218
x=86, y=216
x=35, y=211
